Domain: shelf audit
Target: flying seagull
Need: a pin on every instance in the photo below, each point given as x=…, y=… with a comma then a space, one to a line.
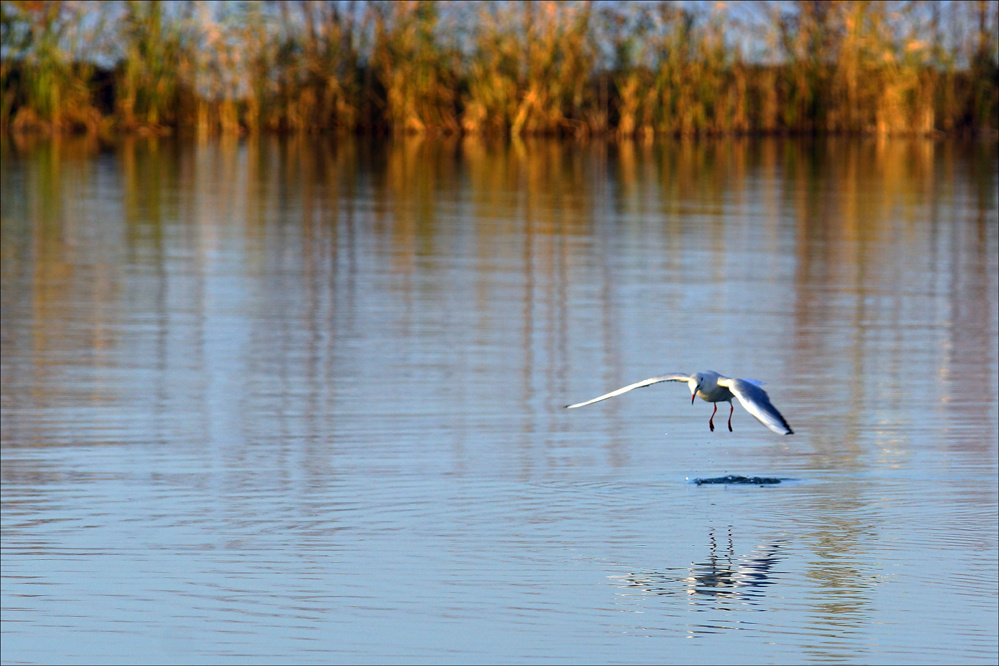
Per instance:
x=712, y=387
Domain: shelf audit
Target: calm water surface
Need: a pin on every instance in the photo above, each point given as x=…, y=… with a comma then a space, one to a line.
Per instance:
x=300, y=401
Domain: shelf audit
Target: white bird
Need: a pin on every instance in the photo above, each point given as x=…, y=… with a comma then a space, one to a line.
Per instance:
x=712, y=387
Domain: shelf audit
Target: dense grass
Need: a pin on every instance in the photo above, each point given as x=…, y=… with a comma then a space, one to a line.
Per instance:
x=573, y=68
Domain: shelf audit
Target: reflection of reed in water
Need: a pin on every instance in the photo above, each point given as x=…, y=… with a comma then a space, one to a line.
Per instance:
x=721, y=576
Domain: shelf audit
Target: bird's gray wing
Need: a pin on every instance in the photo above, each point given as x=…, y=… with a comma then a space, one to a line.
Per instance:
x=674, y=377
x=757, y=402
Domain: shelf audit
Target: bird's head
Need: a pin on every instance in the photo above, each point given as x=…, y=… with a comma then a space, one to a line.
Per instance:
x=695, y=382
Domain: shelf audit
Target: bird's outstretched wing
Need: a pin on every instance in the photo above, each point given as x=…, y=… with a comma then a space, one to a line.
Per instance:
x=757, y=402
x=674, y=377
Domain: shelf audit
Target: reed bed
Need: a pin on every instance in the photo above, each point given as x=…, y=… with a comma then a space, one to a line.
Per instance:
x=518, y=68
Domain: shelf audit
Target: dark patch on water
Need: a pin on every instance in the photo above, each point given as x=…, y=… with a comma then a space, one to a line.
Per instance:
x=738, y=480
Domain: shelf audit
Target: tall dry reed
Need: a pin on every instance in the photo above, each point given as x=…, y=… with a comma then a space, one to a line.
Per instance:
x=569, y=68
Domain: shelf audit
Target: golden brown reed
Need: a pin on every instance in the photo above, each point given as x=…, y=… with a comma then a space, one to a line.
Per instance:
x=517, y=68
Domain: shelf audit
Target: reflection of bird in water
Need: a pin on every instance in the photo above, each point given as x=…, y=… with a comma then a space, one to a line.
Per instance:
x=712, y=387
x=722, y=575
x=730, y=577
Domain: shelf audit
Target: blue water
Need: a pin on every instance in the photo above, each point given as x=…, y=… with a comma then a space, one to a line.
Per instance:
x=301, y=401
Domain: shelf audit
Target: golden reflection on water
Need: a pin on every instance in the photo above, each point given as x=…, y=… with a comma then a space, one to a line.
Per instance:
x=880, y=227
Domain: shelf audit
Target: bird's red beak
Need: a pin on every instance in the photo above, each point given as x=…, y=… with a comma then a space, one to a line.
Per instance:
x=693, y=395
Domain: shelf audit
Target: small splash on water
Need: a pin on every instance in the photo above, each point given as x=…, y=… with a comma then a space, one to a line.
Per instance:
x=736, y=479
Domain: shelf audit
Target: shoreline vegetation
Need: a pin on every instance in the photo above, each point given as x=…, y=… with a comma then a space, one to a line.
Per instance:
x=573, y=69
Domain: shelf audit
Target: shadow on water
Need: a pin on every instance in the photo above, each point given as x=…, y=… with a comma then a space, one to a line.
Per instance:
x=739, y=480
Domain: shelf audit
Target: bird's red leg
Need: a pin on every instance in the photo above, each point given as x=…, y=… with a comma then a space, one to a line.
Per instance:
x=731, y=408
x=711, y=421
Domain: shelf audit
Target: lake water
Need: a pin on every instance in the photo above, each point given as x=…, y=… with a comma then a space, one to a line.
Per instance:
x=300, y=400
